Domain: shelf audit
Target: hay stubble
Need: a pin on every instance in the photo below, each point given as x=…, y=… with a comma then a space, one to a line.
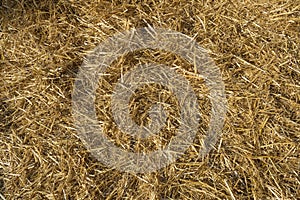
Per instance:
x=254, y=43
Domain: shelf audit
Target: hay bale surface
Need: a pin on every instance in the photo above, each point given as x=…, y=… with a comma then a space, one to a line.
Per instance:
x=254, y=43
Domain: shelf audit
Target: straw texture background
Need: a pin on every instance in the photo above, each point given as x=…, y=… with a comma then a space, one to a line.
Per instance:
x=254, y=43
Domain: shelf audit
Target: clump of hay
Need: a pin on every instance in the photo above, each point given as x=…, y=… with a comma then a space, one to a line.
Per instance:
x=256, y=46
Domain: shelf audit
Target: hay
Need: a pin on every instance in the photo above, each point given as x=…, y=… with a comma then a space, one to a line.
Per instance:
x=254, y=43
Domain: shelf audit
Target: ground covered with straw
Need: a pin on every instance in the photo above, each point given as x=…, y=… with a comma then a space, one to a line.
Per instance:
x=254, y=43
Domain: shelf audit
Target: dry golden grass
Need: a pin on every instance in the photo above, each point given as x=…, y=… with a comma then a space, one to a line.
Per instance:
x=254, y=43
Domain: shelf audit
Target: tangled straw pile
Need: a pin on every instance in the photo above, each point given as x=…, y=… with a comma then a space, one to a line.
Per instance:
x=254, y=43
